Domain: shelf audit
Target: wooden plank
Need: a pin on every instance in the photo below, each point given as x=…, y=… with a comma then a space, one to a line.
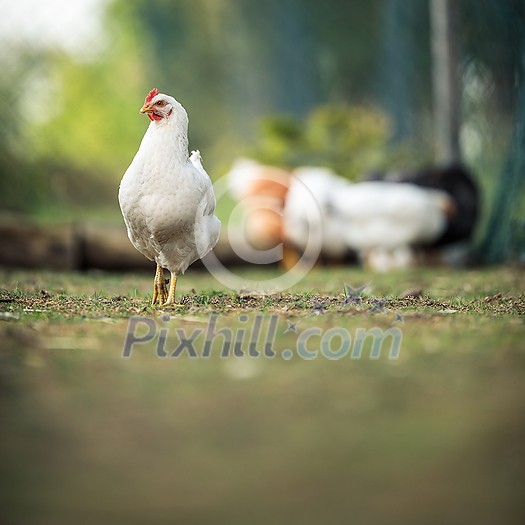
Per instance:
x=26, y=245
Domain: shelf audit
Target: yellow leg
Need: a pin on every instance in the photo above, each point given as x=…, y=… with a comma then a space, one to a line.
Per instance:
x=173, y=285
x=159, y=287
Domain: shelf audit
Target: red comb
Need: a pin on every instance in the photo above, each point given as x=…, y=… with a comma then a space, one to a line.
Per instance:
x=151, y=95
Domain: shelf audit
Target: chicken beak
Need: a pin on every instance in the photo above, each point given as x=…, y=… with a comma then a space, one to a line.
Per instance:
x=146, y=109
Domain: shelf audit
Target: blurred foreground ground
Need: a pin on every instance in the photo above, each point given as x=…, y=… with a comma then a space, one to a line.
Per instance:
x=436, y=436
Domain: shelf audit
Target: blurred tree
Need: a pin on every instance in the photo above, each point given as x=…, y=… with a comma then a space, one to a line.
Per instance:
x=491, y=35
x=404, y=69
x=348, y=139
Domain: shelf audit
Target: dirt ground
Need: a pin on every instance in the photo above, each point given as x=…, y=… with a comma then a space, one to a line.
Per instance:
x=244, y=407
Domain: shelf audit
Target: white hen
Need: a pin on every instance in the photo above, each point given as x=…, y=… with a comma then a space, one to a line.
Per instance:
x=309, y=211
x=380, y=220
x=166, y=196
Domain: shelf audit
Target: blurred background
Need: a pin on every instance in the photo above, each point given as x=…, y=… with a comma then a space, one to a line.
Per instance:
x=356, y=87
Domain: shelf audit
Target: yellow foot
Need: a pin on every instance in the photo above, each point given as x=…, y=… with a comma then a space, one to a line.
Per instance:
x=160, y=291
x=171, y=295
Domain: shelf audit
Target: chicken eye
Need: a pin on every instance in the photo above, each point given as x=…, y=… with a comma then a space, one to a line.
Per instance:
x=160, y=103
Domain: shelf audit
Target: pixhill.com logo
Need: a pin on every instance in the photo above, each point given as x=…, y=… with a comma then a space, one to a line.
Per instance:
x=258, y=336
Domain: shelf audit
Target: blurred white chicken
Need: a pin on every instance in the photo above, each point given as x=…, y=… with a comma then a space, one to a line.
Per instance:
x=166, y=196
x=380, y=220
x=309, y=212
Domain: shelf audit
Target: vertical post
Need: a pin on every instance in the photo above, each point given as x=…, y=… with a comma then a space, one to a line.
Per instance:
x=446, y=87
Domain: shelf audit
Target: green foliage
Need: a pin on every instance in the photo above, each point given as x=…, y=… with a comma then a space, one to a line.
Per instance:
x=348, y=139
x=76, y=134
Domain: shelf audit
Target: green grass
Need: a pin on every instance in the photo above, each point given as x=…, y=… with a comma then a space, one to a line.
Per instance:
x=435, y=436
x=55, y=296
